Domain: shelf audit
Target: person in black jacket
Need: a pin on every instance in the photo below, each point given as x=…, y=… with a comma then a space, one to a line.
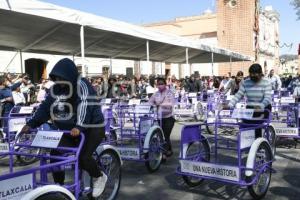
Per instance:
x=112, y=88
x=72, y=105
x=199, y=83
x=192, y=84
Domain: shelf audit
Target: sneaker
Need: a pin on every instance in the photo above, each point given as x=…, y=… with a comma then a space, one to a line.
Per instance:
x=99, y=185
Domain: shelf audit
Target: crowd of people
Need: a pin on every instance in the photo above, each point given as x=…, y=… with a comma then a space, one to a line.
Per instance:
x=145, y=86
x=157, y=90
x=121, y=86
x=23, y=92
x=19, y=90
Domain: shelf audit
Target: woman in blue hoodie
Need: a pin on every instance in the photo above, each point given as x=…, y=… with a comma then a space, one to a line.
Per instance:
x=72, y=105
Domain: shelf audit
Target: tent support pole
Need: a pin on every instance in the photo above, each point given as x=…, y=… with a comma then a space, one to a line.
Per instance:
x=148, y=56
x=82, y=51
x=243, y=66
x=187, y=60
x=110, y=66
x=147, y=49
x=139, y=67
x=230, y=66
x=212, y=63
x=21, y=59
x=11, y=60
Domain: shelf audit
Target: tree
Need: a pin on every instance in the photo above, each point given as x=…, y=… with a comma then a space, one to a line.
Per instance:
x=288, y=57
x=296, y=4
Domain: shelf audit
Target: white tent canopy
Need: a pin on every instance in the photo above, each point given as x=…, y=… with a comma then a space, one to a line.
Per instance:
x=34, y=26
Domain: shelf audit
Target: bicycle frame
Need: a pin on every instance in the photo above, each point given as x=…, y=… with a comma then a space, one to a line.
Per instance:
x=197, y=167
x=140, y=124
x=44, y=167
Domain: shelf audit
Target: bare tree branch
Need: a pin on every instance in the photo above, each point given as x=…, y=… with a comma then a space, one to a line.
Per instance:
x=296, y=4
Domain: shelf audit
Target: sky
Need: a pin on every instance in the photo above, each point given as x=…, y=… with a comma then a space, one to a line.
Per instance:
x=146, y=11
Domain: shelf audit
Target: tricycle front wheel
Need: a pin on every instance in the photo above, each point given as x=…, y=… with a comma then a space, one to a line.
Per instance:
x=196, y=151
x=262, y=178
x=109, y=162
x=154, y=155
x=53, y=196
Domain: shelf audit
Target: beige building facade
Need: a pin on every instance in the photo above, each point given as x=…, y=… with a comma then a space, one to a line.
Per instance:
x=289, y=67
x=239, y=25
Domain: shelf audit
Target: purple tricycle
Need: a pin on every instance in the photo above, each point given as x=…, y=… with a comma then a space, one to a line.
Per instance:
x=189, y=108
x=288, y=123
x=12, y=124
x=139, y=136
x=242, y=159
x=34, y=183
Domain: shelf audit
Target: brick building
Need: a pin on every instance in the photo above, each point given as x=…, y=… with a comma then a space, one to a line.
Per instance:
x=238, y=25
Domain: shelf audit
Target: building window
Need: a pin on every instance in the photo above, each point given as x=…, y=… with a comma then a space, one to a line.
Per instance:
x=232, y=3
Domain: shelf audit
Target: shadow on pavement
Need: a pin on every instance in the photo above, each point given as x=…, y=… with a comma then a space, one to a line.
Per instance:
x=292, y=176
x=209, y=189
x=291, y=157
x=286, y=192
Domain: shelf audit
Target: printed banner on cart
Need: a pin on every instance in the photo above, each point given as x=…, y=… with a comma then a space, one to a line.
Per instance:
x=286, y=131
x=4, y=147
x=129, y=153
x=15, y=188
x=47, y=139
x=247, y=138
x=211, y=170
x=16, y=124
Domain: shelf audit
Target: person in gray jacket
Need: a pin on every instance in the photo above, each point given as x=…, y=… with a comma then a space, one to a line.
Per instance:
x=234, y=84
x=275, y=81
